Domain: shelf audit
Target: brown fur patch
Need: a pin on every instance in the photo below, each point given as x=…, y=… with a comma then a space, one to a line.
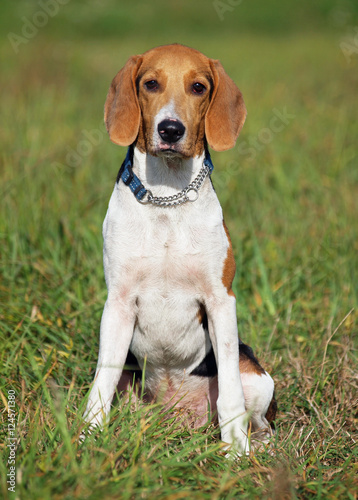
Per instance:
x=229, y=265
x=248, y=365
x=201, y=313
x=271, y=411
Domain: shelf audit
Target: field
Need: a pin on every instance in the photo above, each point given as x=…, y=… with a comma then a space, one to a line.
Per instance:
x=289, y=191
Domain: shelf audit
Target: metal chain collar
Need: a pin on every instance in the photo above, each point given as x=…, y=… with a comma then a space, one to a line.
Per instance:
x=145, y=196
x=182, y=196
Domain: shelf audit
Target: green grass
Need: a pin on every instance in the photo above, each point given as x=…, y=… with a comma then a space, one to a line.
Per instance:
x=291, y=206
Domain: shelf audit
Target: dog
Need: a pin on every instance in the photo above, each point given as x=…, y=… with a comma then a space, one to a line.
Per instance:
x=168, y=258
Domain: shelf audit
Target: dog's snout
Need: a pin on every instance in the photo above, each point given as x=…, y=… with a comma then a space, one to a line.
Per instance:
x=171, y=130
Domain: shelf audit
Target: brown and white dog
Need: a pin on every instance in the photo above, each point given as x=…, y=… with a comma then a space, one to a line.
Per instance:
x=168, y=258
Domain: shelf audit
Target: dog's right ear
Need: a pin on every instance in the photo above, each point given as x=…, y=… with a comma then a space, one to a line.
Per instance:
x=121, y=111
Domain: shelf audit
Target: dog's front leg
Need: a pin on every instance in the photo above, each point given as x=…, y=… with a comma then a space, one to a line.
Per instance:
x=232, y=416
x=117, y=327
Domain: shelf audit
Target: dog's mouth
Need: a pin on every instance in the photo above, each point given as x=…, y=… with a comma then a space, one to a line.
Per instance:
x=169, y=151
x=167, y=148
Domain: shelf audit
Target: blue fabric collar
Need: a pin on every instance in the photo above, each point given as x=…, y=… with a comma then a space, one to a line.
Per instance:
x=131, y=180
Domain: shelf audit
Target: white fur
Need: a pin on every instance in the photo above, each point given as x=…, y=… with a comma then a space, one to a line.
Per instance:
x=258, y=391
x=160, y=265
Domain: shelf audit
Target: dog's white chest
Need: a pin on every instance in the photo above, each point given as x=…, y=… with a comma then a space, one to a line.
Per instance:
x=165, y=261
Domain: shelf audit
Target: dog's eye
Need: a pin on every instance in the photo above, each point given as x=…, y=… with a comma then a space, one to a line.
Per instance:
x=151, y=85
x=198, y=88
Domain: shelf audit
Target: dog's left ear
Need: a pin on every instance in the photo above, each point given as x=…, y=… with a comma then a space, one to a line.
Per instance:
x=226, y=113
x=121, y=111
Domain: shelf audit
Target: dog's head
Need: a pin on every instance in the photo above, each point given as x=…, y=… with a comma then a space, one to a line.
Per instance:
x=169, y=99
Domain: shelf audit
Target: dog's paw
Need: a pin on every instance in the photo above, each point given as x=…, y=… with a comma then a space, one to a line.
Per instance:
x=234, y=450
x=235, y=436
x=90, y=430
x=262, y=441
x=93, y=423
x=236, y=445
x=82, y=437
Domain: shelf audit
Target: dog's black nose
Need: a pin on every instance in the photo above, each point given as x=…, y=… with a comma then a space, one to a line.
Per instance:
x=171, y=130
